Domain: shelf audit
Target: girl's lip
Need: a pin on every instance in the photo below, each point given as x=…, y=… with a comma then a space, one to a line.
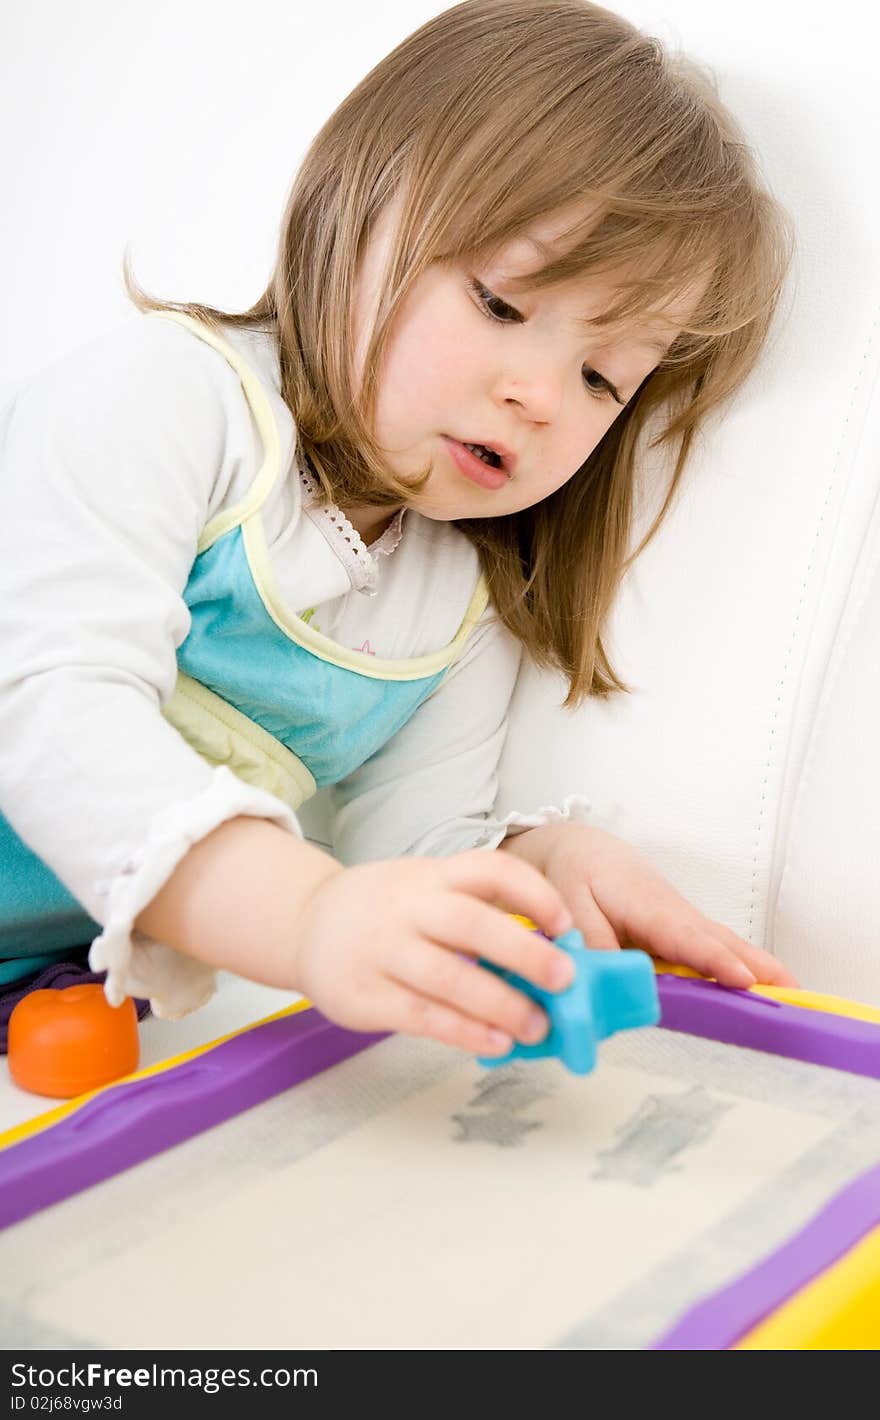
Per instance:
x=473, y=468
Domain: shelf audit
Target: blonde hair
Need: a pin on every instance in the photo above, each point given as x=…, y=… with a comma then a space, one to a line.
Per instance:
x=492, y=115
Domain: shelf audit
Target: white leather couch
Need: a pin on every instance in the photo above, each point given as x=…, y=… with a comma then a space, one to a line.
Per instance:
x=746, y=762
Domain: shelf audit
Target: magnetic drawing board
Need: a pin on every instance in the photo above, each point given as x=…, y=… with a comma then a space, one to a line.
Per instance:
x=331, y=1189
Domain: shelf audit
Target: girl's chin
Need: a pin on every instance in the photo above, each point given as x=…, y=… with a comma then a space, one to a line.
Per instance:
x=454, y=510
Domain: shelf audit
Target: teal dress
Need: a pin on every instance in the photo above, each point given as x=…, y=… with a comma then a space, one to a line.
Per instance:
x=259, y=690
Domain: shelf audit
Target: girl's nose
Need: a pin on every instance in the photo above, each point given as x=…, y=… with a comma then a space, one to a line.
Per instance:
x=537, y=391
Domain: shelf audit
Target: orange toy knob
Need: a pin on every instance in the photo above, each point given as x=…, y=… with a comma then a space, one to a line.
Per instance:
x=62, y=1043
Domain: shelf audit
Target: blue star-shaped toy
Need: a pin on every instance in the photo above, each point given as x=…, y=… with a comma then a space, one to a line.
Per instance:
x=611, y=991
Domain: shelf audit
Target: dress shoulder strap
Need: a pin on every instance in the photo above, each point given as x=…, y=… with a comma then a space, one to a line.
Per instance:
x=266, y=427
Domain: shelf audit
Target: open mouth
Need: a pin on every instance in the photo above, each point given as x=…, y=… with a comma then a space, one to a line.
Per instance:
x=488, y=456
x=480, y=463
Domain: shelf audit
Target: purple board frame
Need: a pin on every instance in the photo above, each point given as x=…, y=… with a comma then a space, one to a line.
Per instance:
x=718, y=1322
x=129, y=1122
x=744, y=1018
x=124, y=1125
x=734, y=1017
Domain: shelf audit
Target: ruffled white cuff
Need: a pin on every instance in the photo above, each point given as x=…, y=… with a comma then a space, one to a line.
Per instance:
x=138, y=965
x=575, y=809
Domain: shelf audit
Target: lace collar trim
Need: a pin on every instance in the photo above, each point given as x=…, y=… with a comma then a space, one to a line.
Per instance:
x=358, y=559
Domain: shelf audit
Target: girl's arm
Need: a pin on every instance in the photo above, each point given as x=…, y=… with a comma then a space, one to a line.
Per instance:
x=112, y=461
x=236, y=898
x=618, y=899
x=385, y=946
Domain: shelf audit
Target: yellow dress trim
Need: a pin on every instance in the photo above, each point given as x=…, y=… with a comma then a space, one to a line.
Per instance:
x=265, y=421
x=223, y=735
x=29, y=1127
x=308, y=637
x=838, y=1311
x=247, y=514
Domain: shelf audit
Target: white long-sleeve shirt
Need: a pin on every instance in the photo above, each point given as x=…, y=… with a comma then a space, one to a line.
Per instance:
x=112, y=461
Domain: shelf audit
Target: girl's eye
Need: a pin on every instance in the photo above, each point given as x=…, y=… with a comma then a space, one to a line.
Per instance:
x=498, y=310
x=493, y=305
x=600, y=387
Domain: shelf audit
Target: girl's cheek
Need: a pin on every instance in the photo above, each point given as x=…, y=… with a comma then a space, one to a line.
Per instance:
x=426, y=354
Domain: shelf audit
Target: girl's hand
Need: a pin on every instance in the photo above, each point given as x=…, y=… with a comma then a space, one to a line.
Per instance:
x=393, y=946
x=618, y=900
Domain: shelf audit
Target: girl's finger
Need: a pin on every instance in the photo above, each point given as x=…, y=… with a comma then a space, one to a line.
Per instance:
x=763, y=964
x=467, y=924
x=457, y=981
x=414, y=1014
x=692, y=944
x=591, y=921
x=512, y=884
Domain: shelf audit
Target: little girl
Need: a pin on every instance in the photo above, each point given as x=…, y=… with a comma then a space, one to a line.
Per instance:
x=246, y=556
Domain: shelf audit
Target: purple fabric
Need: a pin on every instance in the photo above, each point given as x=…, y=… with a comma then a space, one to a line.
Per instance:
x=54, y=978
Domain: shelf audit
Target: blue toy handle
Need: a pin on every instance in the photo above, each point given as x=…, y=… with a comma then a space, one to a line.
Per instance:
x=611, y=991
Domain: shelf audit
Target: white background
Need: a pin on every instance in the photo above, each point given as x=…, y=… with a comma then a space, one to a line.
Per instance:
x=177, y=126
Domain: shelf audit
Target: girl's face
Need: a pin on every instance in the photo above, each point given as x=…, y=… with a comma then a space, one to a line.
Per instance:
x=469, y=362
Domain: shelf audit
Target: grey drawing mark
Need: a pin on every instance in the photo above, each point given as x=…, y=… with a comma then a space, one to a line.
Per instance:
x=495, y=1128
x=663, y=1127
x=498, y=1100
